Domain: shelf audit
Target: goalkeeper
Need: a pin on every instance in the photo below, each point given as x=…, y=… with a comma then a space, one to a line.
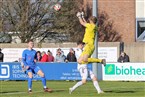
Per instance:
x=89, y=38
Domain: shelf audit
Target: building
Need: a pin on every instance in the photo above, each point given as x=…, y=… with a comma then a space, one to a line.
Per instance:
x=128, y=17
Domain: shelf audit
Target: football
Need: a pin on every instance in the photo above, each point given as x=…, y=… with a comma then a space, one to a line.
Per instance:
x=57, y=7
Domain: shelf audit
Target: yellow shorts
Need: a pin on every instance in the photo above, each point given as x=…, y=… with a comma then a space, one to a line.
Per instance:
x=88, y=50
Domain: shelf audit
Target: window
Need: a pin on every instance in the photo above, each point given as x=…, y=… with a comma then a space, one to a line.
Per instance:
x=140, y=30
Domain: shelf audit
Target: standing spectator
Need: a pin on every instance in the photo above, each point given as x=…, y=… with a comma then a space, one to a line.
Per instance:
x=71, y=56
x=59, y=50
x=44, y=57
x=1, y=55
x=123, y=57
x=59, y=57
x=64, y=57
x=39, y=57
x=50, y=56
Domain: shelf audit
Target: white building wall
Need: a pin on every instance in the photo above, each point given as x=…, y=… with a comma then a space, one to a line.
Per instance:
x=140, y=8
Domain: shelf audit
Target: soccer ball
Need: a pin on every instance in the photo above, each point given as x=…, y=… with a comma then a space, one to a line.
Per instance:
x=57, y=7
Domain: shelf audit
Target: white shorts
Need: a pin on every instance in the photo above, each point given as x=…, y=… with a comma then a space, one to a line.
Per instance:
x=85, y=73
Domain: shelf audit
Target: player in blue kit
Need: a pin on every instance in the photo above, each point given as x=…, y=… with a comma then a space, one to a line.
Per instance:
x=29, y=59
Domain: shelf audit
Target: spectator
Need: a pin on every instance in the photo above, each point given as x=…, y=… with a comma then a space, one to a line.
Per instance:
x=59, y=57
x=1, y=56
x=62, y=53
x=123, y=57
x=59, y=49
x=39, y=56
x=71, y=56
x=44, y=57
x=50, y=56
x=65, y=59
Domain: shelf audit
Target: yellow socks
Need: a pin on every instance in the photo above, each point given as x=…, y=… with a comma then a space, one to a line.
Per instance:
x=94, y=60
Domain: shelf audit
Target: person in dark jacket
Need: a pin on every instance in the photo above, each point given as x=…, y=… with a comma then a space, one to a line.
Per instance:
x=1, y=55
x=39, y=57
x=123, y=58
x=71, y=56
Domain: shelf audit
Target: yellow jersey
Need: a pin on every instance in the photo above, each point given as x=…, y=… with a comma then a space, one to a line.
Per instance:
x=90, y=33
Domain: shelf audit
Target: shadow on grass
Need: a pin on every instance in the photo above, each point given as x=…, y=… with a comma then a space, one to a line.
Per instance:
x=58, y=90
x=119, y=91
x=5, y=92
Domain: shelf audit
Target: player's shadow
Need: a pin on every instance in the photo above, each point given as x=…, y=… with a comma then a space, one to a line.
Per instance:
x=58, y=90
x=9, y=92
x=119, y=91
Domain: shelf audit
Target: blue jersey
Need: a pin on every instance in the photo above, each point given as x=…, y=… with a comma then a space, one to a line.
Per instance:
x=28, y=58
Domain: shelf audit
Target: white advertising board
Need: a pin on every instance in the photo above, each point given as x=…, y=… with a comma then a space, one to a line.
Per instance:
x=13, y=54
x=108, y=53
x=124, y=71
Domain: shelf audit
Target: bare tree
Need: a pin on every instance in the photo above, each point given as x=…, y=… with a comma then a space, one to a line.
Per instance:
x=29, y=19
x=1, y=20
x=67, y=22
x=106, y=32
x=32, y=19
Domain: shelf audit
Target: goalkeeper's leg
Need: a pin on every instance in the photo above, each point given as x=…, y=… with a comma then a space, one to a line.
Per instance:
x=85, y=60
x=96, y=60
x=88, y=50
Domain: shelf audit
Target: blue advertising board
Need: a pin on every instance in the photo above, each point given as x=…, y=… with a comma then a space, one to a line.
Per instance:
x=52, y=71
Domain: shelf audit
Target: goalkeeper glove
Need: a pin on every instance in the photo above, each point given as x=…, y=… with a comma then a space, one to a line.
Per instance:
x=78, y=15
x=82, y=14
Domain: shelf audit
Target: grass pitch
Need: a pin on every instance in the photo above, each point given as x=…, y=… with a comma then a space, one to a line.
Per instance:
x=60, y=89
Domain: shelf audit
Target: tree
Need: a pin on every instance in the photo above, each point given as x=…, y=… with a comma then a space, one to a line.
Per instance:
x=5, y=38
x=67, y=22
x=106, y=33
x=33, y=19
x=29, y=19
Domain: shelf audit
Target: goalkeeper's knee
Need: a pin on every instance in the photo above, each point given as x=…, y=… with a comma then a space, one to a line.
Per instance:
x=82, y=62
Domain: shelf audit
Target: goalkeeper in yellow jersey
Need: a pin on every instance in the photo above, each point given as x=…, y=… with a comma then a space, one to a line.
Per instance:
x=89, y=39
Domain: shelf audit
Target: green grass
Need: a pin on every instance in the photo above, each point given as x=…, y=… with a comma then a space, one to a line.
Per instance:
x=112, y=89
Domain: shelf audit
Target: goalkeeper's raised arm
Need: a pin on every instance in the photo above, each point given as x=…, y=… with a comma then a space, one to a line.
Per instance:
x=81, y=18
